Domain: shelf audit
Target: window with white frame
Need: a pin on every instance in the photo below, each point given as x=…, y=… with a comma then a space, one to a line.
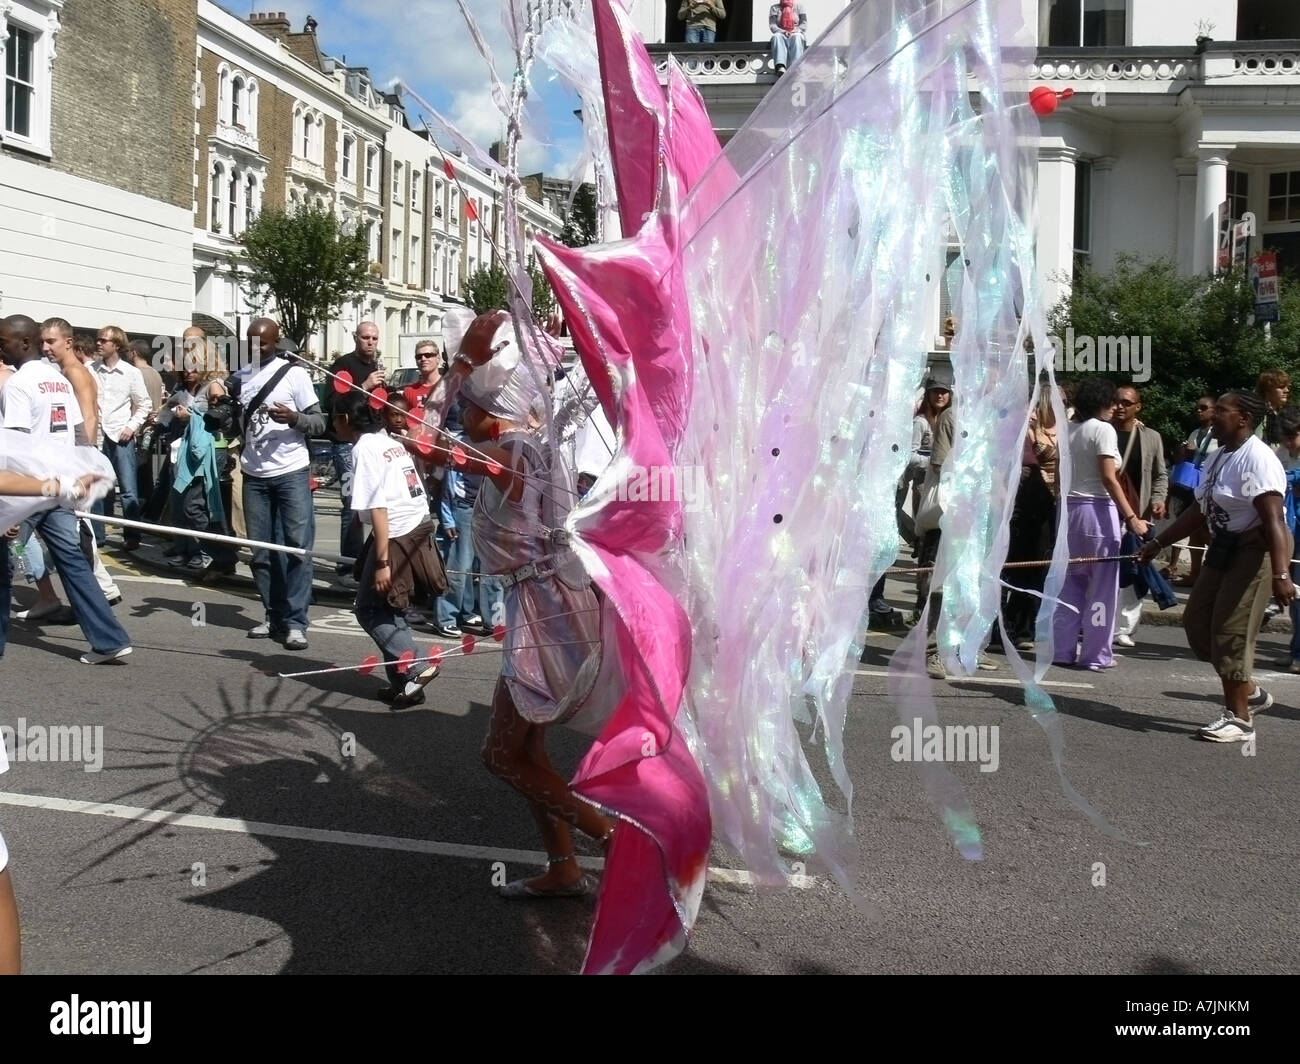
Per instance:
x=218, y=186
x=1082, y=214
x=395, y=252
x=250, y=200
x=397, y=183
x=1238, y=194
x=349, y=153
x=237, y=101
x=27, y=31
x=415, y=274
x=437, y=199
x=415, y=190
x=372, y=240
x=1284, y=196
x=372, y=168
x=1082, y=23
x=232, y=203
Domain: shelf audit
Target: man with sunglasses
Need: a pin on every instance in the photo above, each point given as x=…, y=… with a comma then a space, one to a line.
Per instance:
x=1142, y=458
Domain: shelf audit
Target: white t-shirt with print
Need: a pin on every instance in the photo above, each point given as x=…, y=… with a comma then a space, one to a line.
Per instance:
x=384, y=477
x=38, y=399
x=272, y=449
x=1089, y=443
x=1232, y=480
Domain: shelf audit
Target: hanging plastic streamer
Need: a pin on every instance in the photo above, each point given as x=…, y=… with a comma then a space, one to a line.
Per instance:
x=804, y=256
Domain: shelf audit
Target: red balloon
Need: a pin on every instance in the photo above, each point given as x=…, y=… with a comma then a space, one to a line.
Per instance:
x=368, y=666
x=493, y=466
x=1065, y=94
x=404, y=661
x=499, y=633
x=458, y=454
x=424, y=447
x=435, y=656
x=343, y=382
x=378, y=398
x=467, y=644
x=1043, y=100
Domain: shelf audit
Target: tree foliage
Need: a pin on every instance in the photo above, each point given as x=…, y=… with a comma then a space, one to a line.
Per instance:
x=488, y=288
x=544, y=304
x=1203, y=336
x=306, y=263
x=581, y=228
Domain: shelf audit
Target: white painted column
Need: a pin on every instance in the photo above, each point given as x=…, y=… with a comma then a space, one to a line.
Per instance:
x=1103, y=193
x=1211, y=190
x=1185, y=173
x=1056, y=219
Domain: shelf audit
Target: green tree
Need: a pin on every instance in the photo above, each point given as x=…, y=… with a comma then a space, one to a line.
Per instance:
x=581, y=229
x=544, y=304
x=1203, y=337
x=304, y=261
x=488, y=288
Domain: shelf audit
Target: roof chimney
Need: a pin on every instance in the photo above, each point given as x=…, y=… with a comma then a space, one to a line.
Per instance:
x=275, y=24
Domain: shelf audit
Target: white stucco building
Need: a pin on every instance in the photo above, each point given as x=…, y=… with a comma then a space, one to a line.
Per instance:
x=1162, y=129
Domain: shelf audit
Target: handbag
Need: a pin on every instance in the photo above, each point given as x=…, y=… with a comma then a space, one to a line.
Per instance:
x=1125, y=481
x=1185, y=477
x=930, y=507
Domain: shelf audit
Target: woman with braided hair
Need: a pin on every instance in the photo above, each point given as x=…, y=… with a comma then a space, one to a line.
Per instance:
x=1239, y=500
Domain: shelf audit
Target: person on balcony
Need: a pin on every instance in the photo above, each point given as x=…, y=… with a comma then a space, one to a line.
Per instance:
x=788, y=22
x=701, y=18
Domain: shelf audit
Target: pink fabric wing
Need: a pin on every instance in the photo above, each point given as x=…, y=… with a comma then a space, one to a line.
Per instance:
x=629, y=315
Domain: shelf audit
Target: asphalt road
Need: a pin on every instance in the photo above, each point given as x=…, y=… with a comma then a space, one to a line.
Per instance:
x=198, y=725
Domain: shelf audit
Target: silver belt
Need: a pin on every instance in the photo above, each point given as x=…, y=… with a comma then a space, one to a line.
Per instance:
x=531, y=571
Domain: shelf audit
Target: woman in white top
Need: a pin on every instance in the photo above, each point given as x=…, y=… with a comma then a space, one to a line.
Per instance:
x=1239, y=500
x=1096, y=508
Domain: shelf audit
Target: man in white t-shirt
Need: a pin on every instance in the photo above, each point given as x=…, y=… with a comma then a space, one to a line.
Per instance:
x=124, y=407
x=39, y=400
x=281, y=413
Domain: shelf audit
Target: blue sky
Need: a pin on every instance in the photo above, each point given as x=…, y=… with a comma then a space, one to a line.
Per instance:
x=425, y=43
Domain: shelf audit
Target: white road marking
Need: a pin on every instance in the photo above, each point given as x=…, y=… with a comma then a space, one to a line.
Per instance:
x=731, y=876
x=996, y=682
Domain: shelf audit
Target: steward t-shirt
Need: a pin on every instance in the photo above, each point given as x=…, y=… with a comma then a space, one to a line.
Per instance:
x=384, y=477
x=38, y=399
x=1232, y=480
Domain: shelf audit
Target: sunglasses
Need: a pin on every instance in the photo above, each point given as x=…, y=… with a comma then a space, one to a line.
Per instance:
x=427, y=354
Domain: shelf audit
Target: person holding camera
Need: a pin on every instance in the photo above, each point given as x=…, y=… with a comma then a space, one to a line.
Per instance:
x=1239, y=499
x=281, y=412
x=701, y=18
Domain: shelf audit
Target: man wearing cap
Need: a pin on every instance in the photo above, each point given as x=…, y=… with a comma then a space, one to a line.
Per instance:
x=281, y=412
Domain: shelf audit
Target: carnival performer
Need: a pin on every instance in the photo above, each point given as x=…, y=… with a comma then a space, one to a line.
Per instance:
x=399, y=557
x=553, y=669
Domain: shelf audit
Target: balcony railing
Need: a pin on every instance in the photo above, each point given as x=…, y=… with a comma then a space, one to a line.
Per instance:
x=238, y=136
x=718, y=64
x=307, y=168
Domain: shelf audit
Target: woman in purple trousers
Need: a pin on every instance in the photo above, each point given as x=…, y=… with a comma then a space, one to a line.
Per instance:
x=1097, y=511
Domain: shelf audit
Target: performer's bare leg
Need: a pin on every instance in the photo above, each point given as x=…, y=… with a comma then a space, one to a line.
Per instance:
x=515, y=751
x=10, y=943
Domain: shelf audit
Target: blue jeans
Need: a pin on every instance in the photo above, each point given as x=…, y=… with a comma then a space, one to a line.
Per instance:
x=351, y=536
x=279, y=510
x=123, y=458
x=63, y=533
x=385, y=625
x=700, y=35
x=787, y=50
x=190, y=510
x=33, y=555
x=458, y=556
x=491, y=598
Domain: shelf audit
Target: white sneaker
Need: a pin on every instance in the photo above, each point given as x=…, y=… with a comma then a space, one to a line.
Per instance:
x=1228, y=729
x=1122, y=640
x=295, y=640
x=111, y=658
x=1259, y=701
